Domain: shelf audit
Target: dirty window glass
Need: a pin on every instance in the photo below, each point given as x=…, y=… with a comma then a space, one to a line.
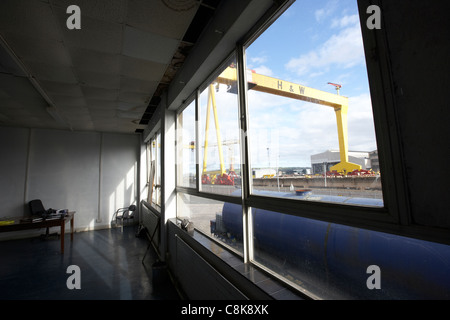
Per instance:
x=311, y=124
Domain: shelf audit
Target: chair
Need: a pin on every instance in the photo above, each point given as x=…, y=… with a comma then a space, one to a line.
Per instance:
x=37, y=209
x=126, y=213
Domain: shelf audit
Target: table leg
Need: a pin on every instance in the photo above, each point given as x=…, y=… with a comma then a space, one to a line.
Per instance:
x=71, y=229
x=63, y=224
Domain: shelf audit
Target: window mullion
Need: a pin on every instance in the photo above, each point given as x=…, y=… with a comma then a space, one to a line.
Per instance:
x=245, y=155
x=197, y=142
x=149, y=160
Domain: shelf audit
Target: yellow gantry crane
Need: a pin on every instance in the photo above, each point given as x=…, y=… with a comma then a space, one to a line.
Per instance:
x=221, y=176
x=212, y=104
x=283, y=88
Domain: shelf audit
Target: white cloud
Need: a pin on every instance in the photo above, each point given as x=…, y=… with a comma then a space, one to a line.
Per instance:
x=258, y=65
x=326, y=11
x=264, y=70
x=319, y=14
x=294, y=130
x=345, y=21
x=344, y=50
x=291, y=129
x=258, y=60
x=361, y=131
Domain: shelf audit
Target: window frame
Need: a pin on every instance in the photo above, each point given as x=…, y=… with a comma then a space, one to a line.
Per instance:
x=158, y=157
x=195, y=96
x=388, y=218
x=178, y=145
x=394, y=217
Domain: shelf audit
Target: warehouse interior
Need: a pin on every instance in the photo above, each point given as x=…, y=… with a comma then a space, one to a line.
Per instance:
x=88, y=123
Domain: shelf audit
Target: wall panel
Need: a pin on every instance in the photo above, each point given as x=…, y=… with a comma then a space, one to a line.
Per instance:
x=13, y=166
x=64, y=172
x=89, y=172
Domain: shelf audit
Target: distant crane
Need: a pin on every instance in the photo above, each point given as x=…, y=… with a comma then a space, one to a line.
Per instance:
x=221, y=176
x=337, y=86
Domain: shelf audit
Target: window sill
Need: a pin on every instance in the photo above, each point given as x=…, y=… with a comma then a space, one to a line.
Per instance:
x=274, y=288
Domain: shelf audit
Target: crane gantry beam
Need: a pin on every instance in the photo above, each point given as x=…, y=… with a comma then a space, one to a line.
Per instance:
x=292, y=90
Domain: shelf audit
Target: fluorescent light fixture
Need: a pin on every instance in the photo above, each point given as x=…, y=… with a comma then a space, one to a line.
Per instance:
x=51, y=109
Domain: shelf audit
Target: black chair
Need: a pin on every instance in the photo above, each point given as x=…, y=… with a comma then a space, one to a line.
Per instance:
x=126, y=213
x=37, y=209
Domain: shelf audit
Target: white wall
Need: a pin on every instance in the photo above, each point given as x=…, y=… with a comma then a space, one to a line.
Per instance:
x=87, y=172
x=120, y=160
x=13, y=167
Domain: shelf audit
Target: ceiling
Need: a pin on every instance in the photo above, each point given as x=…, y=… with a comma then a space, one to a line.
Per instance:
x=107, y=76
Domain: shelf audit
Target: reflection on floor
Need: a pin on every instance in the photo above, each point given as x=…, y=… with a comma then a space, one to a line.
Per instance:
x=110, y=265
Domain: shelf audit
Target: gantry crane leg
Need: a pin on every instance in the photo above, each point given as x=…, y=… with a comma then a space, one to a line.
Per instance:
x=344, y=166
x=223, y=178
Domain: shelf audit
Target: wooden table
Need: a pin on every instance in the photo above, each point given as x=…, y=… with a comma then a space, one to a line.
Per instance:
x=61, y=222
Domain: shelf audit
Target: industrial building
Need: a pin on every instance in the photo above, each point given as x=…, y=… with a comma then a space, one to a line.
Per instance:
x=325, y=160
x=374, y=162
x=113, y=109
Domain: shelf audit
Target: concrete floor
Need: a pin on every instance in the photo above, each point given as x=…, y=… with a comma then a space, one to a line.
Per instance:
x=110, y=264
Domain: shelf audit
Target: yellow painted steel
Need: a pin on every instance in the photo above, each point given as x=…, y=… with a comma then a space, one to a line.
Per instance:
x=292, y=90
x=212, y=103
x=296, y=91
x=344, y=166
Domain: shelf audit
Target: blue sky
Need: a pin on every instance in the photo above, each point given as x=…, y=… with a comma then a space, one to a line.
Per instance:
x=312, y=43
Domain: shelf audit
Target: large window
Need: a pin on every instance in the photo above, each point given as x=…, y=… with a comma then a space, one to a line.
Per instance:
x=212, y=218
x=209, y=155
x=186, y=146
x=220, y=163
x=310, y=116
x=154, y=170
x=300, y=128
